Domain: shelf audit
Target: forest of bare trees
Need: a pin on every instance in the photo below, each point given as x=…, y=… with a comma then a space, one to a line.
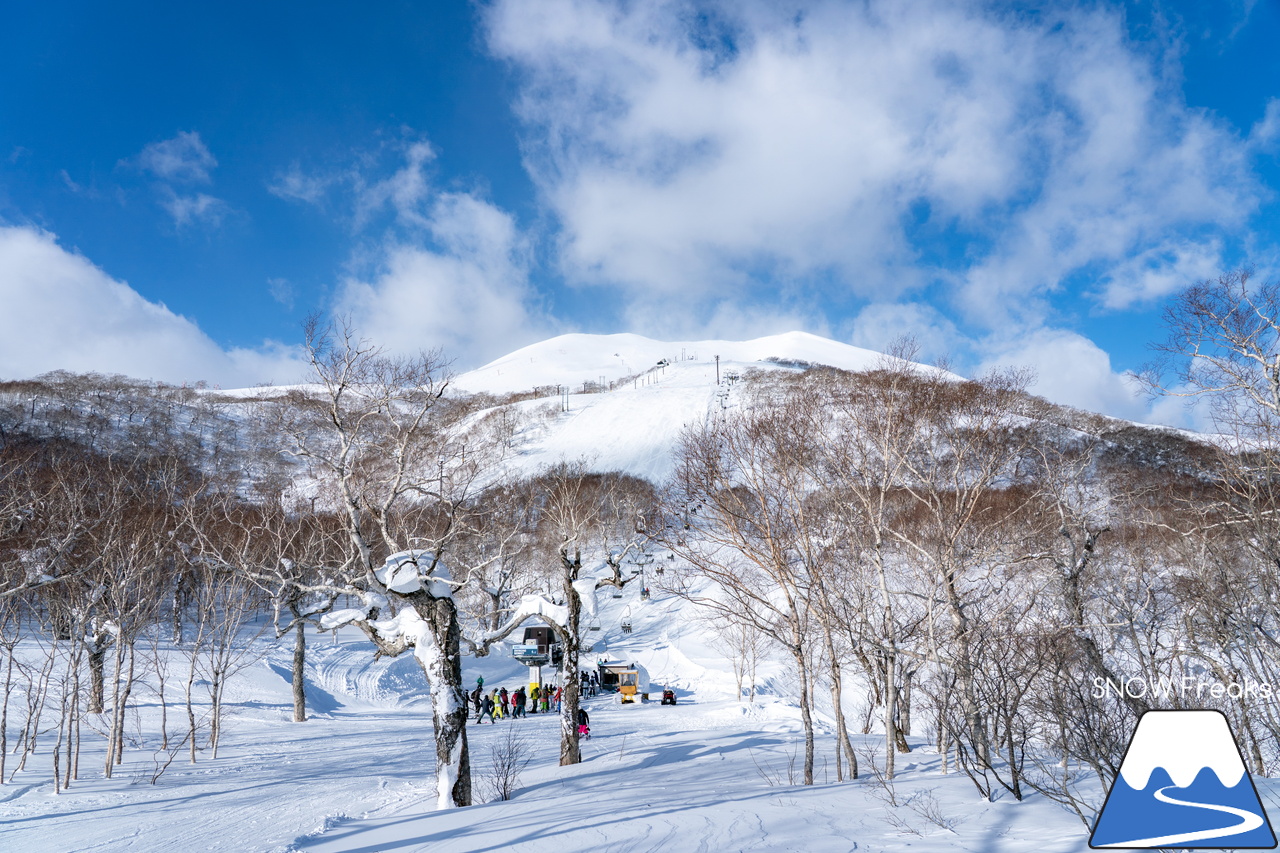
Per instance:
x=948, y=564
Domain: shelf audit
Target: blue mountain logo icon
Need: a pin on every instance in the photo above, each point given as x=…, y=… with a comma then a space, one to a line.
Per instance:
x=1183, y=784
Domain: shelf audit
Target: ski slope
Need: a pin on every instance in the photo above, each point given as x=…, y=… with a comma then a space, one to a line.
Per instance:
x=634, y=426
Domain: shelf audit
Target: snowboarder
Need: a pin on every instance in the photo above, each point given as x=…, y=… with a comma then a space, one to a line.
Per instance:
x=517, y=703
x=506, y=701
x=584, y=724
x=498, y=709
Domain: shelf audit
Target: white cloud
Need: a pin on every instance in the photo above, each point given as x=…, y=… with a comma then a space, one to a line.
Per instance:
x=182, y=159
x=468, y=295
x=1266, y=132
x=197, y=207
x=297, y=185
x=62, y=312
x=282, y=291
x=1160, y=271
x=880, y=324
x=708, y=151
x=405, y=191
x=1070, y=369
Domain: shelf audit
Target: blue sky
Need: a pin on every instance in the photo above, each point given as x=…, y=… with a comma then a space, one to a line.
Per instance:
x=1013, y=184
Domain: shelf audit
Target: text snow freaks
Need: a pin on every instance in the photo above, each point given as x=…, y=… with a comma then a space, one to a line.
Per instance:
x=1184, y=687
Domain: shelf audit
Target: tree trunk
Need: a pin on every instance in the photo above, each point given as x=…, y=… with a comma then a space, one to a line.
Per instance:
x=443, y=668
x=97, y=667
x=843, y=744
x=890, y=715
x=4, y=710
x=570, y=748
x=299, y=662
x=904, y=704
x=806, y=716
x=124, y=702
x=191, y=709
x=975, y=725
x=116, y=711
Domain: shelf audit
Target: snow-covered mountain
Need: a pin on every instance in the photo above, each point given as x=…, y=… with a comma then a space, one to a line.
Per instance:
x=626, y=398
x=571, y=360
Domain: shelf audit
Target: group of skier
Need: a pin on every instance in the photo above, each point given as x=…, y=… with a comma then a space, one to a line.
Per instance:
x=499, y=702
x=589, y=683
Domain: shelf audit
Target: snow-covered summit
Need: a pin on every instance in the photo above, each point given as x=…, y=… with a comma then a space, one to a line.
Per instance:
x=571, y=360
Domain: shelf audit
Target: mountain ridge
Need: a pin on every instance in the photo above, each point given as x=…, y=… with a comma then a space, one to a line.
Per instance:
x=573, y=359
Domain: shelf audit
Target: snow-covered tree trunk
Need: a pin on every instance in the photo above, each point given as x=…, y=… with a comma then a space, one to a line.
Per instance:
x=441, y=661
x=429, y=626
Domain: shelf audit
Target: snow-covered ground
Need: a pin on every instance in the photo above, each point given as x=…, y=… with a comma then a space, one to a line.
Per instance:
x=711, y=773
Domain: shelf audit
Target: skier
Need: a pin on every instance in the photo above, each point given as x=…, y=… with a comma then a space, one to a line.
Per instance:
x=533, y=695
x=475, y=700
x=584, y=724
x=497, y=704
x=486, y=708
x=506, y=701
x=559, y=693
x=517, y=703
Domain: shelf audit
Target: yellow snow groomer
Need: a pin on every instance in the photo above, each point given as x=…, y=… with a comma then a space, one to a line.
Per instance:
x=629, y=686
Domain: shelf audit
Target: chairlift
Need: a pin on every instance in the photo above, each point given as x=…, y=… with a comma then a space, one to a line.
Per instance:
x=594, y=624
x=626, y=621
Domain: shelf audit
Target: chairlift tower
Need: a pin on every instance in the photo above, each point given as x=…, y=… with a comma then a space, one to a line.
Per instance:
x=540, y=647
